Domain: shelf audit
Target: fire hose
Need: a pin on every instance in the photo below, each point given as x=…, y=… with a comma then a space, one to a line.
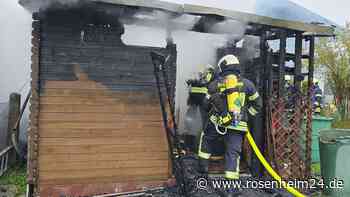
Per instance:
x=268, y=167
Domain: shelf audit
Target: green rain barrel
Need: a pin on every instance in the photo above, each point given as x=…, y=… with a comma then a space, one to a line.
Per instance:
x=318, y=123
x=335, y=161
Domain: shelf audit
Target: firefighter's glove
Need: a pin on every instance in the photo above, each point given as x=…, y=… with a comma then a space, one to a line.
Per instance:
x=195, y=83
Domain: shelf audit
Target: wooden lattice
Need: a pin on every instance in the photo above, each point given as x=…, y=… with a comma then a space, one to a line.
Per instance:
x=289, y=126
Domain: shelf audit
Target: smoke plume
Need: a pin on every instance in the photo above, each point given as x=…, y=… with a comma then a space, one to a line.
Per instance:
x=152, y=28
x=161, y=19
x=234, y=30
x=194, y=50
x=15, y=37
x=34, y=6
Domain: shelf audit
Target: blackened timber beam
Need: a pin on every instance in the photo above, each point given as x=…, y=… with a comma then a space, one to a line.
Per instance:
x=289, y=56
x=269, y=73
x=309, y=114
x=13, y=115
x=307, y=35
x=274, y=35
x=263, y=58
x=257, y=122
x=282, y=60
x=298, y=57
x=311, y=61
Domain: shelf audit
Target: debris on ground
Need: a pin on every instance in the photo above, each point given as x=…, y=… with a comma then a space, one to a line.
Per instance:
x=191, y=176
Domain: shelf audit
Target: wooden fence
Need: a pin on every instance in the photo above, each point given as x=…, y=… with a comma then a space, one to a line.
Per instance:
x=3, y=124
x=9, y=114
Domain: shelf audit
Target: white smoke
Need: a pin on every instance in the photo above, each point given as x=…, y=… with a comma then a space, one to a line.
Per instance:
x=161, y=19
x=15, y=37
x=185, y=22
x=251, y=44
x=234, y=30
x=194, y=50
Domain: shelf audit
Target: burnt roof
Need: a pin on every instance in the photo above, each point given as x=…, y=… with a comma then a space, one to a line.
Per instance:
x=325, y=28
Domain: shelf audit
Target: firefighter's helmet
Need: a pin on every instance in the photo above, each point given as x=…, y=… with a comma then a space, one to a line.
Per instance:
x=316, y=81
x=228, y=62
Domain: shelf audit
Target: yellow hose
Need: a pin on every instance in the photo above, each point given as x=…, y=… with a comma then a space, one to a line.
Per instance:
x=267, y=166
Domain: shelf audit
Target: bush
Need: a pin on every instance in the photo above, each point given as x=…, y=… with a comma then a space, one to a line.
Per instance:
x=16, y=176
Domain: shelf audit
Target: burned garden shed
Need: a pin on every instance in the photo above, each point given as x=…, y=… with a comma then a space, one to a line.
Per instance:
x=95, y=123
x=95, y=115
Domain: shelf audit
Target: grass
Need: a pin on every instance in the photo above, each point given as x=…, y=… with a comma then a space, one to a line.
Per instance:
x=316, y=168
x=343, y=124
x=16, y=176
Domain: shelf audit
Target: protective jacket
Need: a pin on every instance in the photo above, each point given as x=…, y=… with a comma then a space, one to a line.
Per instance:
x=247, y=99
x=231, y=101
x=317, y=99
x=198, y=92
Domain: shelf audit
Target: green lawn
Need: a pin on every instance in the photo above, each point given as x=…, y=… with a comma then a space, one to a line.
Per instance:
x=16, y=176
x=316, y=169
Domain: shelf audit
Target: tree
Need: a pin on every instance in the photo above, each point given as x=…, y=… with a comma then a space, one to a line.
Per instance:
x=334, y=54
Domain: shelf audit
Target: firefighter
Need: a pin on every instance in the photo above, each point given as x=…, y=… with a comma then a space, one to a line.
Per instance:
x=317, y=98
x=198, y=91
x=198, y=106
x=231, y=99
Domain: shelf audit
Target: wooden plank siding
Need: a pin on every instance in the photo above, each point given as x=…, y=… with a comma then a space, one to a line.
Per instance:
x=99, y=119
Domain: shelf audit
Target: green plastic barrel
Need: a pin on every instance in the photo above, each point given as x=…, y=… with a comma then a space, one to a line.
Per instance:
x=335, y=161
x=318, y=123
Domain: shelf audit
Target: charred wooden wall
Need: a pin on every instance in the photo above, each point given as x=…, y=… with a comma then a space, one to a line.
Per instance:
x=96, y=108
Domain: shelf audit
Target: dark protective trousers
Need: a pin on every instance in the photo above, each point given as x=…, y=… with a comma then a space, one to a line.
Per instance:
x=233, y=146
